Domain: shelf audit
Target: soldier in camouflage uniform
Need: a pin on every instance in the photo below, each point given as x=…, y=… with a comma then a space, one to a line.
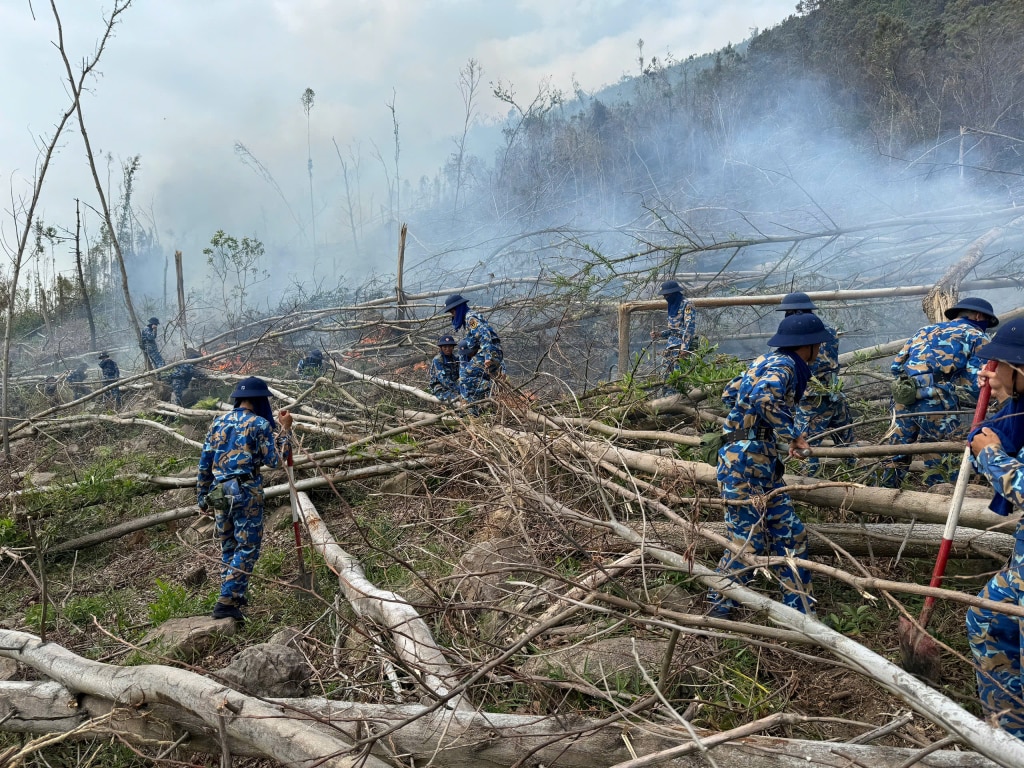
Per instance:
x=149, y=346
x=824, y=406
x=444, y=371
x=760, y=404
x=76, y=378
x=997, y=640
x=111, y=373
x=238, y=444
x=181, y=376
x=939, y=361
x=681, y=332
x=312, y=365
x=476, y=375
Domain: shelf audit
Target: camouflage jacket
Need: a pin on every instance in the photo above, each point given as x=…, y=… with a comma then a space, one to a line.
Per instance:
x=182, y=375
x=682, y=327
x=444, y=377
x=239, y=443
x=1006, y=473
x=149, y=338
x=485, y=339
x=942, y=357
x=762, y=398
x=110, y=370
x=826, y=366
x=310, y=367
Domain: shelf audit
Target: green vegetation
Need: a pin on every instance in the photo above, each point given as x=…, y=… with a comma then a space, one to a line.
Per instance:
x=173, y=601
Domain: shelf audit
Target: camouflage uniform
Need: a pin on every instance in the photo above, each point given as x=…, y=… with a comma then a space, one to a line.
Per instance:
x=179, y=379
x=821, y=411
x=475, y=374
x=76, y=378
x=150, y=348
x=472, y=388
x=238, y=444
x=761, y=403
x=111, y=373
x=680, y=335
x=942, y=360
x=997, y=640
x=444, y=377
x=310, y=367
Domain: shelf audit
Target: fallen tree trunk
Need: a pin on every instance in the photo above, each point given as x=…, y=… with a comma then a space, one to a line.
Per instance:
x=888, y=502
x=273, y=491
x=462, y=739
x=264, y=727
x=413, y=641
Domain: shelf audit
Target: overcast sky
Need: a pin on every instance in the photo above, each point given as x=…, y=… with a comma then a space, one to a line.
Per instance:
x=183, y=80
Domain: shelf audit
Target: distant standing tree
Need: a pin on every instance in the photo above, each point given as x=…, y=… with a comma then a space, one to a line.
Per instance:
x=308, y=96
x=236, y=265
x=469, y=85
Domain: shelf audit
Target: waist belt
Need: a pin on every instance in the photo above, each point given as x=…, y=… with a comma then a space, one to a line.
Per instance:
x=762, y=433
x=248, y=477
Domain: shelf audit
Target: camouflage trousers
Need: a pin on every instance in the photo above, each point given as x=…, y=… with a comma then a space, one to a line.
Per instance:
x=997, y=644
x=240, y=531
x=746, y=473
x=153, y=352
x=178, y=387
x=474, y=381
x=821, y=414
x=921, y=422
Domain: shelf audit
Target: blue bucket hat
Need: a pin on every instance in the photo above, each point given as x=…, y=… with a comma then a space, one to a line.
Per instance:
x=1007, y=345
x=973, y=304
x=799, y=330
x=670, y=287
x=446, y=341
x=250, y=388
x=153, y=321
x=316, y=354
x=798, y=300
x=453, y=301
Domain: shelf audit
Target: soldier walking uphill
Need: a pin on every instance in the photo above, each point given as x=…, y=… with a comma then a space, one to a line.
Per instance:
x=149, y=346
x=444, y=372
x=680, y=333
x=936, y=367
x=111, y=373
x=823, y=407
x=237, y=446
x=997, y=640
x=480, y=371
x=761, y=403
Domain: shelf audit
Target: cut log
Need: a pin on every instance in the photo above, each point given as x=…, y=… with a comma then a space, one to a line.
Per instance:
x=263, y=727
x=466, y=739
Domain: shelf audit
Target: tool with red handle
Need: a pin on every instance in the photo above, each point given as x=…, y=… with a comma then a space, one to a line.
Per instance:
x=919, y=651
x=304, y=580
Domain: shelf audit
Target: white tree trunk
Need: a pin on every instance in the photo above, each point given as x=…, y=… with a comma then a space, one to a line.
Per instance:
x=265, y=728
x=464, y=739
x=413, y=641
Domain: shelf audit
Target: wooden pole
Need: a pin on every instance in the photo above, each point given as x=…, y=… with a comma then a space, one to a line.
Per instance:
x=81, y=276
x=399, y=285
x=180, y=276
x=624, y=312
